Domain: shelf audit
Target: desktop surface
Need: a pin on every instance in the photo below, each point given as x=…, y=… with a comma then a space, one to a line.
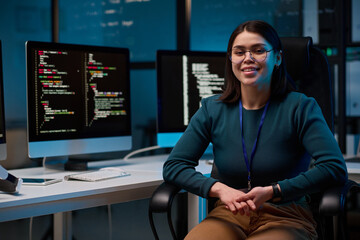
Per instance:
x=146, y=176
x=353, y=166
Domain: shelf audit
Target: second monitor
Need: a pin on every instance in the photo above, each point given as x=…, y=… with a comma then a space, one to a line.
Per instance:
x=78, y=99
x=183, y=79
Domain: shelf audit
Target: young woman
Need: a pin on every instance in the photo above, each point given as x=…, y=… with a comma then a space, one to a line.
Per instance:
x=264, y=135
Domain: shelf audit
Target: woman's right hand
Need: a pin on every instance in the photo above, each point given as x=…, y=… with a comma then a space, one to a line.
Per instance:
x=229, y=196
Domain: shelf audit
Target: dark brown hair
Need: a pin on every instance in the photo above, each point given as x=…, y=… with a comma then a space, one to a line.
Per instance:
x=280, y=84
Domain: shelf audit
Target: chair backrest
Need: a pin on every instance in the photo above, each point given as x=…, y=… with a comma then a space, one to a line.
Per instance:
x=309, y=69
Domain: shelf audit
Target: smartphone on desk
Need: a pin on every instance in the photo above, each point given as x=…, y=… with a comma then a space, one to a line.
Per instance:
x=40, y=181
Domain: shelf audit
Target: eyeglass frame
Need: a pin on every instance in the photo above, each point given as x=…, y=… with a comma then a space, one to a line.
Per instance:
x=251, y=56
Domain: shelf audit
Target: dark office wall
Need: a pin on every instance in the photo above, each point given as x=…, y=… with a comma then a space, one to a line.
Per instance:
x=141, y=26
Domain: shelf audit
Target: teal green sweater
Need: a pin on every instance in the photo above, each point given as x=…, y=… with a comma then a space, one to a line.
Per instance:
x=294, y=130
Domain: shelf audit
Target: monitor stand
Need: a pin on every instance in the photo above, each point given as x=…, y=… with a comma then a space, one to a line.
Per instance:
x=66, y=163
x=76, y=164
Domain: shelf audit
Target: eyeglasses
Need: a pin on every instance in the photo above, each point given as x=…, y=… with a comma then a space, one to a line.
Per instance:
x=257, y=54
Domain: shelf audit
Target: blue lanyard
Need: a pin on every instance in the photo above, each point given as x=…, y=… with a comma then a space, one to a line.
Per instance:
x=248, y=163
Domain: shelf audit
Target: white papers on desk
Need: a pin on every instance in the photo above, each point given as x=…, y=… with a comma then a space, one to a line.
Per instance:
x=353, y=167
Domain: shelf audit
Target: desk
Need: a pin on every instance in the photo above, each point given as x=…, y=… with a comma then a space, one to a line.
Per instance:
x=66, y=196
x=353, y=171
x=353, y=167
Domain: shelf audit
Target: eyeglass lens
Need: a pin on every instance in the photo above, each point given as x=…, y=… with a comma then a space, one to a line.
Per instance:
x=258, y=55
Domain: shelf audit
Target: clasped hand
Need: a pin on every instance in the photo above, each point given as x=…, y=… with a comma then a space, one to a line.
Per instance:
x=238, y=201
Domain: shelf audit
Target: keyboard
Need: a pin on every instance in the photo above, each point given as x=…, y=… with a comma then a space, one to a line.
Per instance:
x=102, y=174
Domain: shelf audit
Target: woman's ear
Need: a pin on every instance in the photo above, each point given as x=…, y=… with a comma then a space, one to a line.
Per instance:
x=279, y=58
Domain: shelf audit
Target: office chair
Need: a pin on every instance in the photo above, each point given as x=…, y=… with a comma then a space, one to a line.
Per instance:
x=309, y=69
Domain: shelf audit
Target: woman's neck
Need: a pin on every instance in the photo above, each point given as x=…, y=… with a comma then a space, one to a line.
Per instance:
x=253, y=98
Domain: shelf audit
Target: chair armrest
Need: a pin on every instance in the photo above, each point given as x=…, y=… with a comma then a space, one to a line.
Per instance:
x=161, y=202
x=333, y=201
x=162, y=197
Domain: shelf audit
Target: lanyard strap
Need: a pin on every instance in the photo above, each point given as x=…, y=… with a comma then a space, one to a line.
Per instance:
x=247, y=162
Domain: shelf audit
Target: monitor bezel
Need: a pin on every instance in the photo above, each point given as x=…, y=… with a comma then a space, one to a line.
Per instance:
x=3, y=145
x=77, y=146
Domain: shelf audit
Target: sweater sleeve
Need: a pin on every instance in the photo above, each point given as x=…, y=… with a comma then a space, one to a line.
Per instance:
x=329, y=165
x=179, y=168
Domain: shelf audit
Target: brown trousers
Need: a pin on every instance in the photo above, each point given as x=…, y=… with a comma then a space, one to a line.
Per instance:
x=271, y=222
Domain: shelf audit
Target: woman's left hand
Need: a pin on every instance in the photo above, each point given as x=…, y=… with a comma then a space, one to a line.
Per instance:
x=258, y=195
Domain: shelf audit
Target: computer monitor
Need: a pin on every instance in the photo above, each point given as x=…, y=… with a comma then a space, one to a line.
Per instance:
x=78, y=99
x=183, y=79
x=3, y=150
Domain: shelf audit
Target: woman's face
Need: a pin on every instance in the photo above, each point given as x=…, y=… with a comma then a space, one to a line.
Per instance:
x=253, y=71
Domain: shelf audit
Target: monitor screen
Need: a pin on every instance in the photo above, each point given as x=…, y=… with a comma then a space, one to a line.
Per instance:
x=183, y=79
x=78, y=99
x=3, y=151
